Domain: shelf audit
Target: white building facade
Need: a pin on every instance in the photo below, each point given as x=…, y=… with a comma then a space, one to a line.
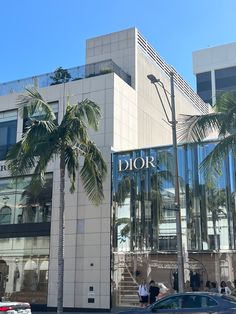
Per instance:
x=115, y=77
x=215, y=70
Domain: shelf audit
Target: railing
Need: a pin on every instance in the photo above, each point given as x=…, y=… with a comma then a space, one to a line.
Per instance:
x=179, y=81
x=77, y=73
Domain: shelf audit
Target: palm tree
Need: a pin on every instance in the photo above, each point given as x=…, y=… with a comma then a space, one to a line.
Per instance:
x=222, y=120
x=44, y=140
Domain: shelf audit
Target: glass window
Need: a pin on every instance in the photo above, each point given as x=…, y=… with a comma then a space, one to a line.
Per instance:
x=204, y=88
x=22, y=203
x=197, y=301
x=5, y=215
x=225, y=80
x=189, y=302
x=144, y=224
x=24, y=269
x=170, y=303
x=209, y=302
x=230, y=298
x=8, y=127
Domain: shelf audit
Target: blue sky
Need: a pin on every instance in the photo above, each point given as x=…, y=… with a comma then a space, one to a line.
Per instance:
x=37, y=36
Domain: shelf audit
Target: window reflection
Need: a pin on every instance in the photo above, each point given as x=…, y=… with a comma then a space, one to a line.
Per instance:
x=5, y=215
x=24, y=269
x=144, y=202
x=144, y=207
x=8, y=125
x=144, y=224
x=20, y=202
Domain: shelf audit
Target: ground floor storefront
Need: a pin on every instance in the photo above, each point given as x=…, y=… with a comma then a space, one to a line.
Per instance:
x=111, y=249
x=130, y=269
x=24, y=269
x=25, y=225
x=144, y=236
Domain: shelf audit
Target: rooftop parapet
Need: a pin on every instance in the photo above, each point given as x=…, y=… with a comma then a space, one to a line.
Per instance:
x=76, y=73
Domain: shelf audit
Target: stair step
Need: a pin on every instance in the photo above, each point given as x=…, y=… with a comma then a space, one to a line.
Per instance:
x=127, y=290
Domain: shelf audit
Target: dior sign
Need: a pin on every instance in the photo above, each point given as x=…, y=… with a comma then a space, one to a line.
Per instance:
x=137, y=163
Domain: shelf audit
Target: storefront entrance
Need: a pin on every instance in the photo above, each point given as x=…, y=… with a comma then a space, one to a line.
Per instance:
x=144, y=221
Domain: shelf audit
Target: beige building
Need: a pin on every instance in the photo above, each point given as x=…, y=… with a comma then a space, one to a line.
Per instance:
x=115, y=77
x=215, y=70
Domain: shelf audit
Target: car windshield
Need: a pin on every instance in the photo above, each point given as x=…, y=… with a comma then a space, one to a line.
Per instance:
x=229, y=298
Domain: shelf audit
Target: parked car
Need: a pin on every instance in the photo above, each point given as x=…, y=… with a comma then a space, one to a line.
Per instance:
x=14, y=307
x=191, y=302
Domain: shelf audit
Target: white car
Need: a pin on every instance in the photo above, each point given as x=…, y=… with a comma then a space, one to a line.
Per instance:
x=15, y=308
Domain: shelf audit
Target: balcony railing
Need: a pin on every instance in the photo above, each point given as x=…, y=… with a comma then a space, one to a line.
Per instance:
x=77, y=73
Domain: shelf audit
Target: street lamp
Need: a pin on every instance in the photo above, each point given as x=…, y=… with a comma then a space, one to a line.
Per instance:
x=173, y=123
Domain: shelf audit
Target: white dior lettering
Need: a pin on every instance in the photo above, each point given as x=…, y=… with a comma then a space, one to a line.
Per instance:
x=124, y=162
x=149, y=161
x=137, y=163
x=142, y=163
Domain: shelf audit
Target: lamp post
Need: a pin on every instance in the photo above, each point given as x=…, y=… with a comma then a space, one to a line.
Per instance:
x=173, y=123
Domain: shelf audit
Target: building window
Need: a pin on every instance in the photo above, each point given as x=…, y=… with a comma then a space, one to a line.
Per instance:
x=204, y=87
x=24, y=269
x=5, y=215
x=8, y=127
x=225, y=80
x=22, y=203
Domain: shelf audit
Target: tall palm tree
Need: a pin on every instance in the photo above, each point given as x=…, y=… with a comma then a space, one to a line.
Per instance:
x=222, y=120
x=44, y=140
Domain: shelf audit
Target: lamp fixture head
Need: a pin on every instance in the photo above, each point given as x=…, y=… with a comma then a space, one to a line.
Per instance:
x=153, y=79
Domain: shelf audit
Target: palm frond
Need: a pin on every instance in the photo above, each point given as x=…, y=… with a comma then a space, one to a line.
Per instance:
x=38, y=131
x=89, y=112
x=35, y=143
x=226, y=102
x=214, y=159
x=123, y=190
x=20, y=159
x=72, y=129
x=222, y=120
x=122, y=220
x=33, y=103
x=195, y=128
x=41, y=166
x=72, y=164
x=93, y=173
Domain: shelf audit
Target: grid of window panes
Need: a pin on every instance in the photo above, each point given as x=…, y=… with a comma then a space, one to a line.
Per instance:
x=24, y=269
x=204, y=86
x=22, y=203
x=225, y=80
x=143, y=201
x=8, y=126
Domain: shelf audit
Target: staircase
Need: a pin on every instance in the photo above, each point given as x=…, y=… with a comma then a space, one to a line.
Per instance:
x=127, y=290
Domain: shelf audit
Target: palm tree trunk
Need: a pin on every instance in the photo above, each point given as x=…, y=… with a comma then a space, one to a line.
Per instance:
x=216, y=242
x=60, y=277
